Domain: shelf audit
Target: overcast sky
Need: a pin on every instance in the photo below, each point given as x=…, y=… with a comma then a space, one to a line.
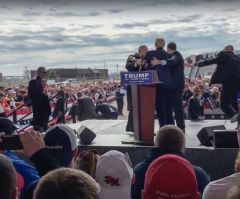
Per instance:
x=86, y=33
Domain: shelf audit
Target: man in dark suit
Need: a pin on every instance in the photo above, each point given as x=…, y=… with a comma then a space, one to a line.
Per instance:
x=227, y=73
x=195, y=107
x=106, y=111
x=176, y=64
x=163, y=91
x=40, y=102
x=134, y=63
x=85, y=107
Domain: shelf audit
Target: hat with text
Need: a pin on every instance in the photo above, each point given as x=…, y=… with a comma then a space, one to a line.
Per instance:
x=114, y=174
x=61, y=141
x=170, y=177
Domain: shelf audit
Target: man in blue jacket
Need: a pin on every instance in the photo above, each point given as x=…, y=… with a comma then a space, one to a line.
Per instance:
x=169, y=140
x=163, y=90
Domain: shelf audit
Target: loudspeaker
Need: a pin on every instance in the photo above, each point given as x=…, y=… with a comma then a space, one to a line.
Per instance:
x=85, y=135
x=205, y=135
x=225, y=139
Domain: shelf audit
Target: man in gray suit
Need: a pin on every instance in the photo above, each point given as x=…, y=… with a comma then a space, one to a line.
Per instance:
x=85, y=107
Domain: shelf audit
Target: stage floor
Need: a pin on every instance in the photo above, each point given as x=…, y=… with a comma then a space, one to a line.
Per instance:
x=112, y=132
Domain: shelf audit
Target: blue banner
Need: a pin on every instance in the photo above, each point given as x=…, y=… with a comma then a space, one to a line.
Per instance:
x=145, y=77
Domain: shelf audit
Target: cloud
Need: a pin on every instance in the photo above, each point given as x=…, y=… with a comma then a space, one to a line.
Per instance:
x=73, y=14
x=64, y=14
x=115, y=10
x=173, y=19
x=31, y=13
x=132, y=25
x=69, y=33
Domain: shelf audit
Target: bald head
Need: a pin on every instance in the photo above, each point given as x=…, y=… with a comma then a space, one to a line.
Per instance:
x=171, y=138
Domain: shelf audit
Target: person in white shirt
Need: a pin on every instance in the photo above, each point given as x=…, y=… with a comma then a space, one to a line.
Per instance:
x=219, y=189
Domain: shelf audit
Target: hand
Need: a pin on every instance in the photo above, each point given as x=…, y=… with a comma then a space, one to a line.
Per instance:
x=138, y=62
x=32, y=142
x=155, y=62
x=131, y=58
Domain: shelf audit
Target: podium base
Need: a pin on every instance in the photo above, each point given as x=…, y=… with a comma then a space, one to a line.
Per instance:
x=137, y=142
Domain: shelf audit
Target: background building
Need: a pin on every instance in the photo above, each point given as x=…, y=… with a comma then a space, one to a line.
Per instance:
x=62, y=74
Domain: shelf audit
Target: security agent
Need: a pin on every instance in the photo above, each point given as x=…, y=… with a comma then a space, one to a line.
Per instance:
x=135, y=63
x=176, y=64
x=227, y=73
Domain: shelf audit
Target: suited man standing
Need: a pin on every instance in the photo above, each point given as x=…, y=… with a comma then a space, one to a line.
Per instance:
x=40, y=102
x=227, y=73
x=85, y=107
x=163, y=90
x=195, y=107
x=134, y=63
x=176, y=64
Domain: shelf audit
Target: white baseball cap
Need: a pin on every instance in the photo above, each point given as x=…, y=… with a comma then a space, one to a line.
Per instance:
x=11, y=91
x=114, y=174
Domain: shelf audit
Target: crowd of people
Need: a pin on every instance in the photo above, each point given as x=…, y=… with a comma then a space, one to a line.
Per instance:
x=51, y=166
x=175, y=88
x=44, y=97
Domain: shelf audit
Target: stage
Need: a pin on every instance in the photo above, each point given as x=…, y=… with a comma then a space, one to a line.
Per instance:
x=110, y=134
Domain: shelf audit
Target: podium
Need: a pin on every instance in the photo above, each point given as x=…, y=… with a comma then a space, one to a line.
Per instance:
x=143, y=89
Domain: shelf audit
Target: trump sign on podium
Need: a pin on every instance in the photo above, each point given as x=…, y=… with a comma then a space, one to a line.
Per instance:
x=145, y=77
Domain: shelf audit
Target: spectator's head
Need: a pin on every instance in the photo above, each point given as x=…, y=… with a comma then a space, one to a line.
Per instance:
x=66, y=183
x=186, y=87
x=8, y=182
x=170, y=138
x=229, y=48
x=114, y=175
x=87, y=162
x=2, y=95
x=170, y=177
x=7, y=126
x=159, y=43
x=79, y=94
x=41, y=72
x=196, y=91
x=234, y=193
x=11, y=93
x=171, y=47
x=61, y=142
x=142, y=50
x=23, y=93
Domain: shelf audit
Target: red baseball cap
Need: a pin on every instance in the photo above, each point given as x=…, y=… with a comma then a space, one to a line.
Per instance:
x=170, y=177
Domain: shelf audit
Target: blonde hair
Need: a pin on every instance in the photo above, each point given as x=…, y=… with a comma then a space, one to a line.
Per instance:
x=66, y=183
x=87, y=162
x=160, y=43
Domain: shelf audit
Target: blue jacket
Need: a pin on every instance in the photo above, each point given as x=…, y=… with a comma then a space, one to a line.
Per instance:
x=141, y=168
x=27, y=171
x=164, y=72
